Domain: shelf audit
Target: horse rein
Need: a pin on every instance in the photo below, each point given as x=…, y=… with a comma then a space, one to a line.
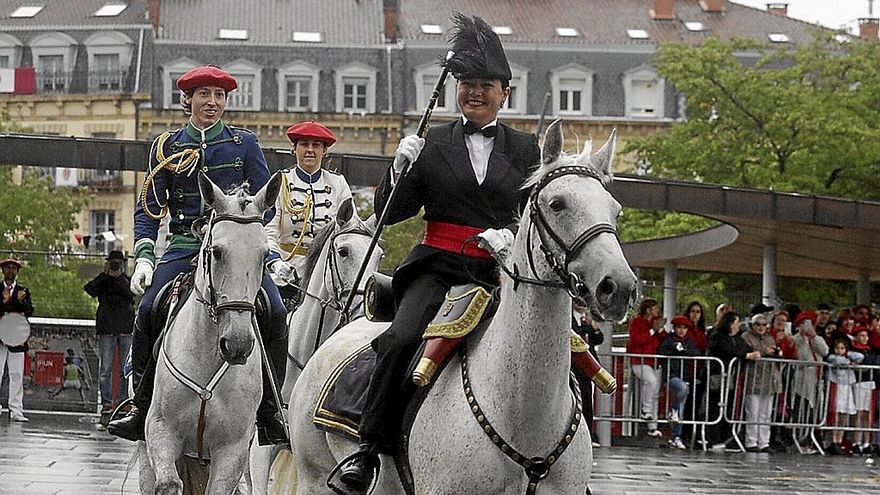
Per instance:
x=537, y=221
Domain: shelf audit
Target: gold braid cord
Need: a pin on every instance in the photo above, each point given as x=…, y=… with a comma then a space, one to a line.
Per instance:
x=186, y=159
x=288, y=207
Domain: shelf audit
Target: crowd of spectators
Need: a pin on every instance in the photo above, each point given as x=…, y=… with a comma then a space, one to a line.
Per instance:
x=827, y=348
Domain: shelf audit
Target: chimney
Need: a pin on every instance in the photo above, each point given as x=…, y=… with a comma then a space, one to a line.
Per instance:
x=714, y=6
x=664, y=10
x=868, y=28
x=153, y=11
x=778, y=8
x=391, y=11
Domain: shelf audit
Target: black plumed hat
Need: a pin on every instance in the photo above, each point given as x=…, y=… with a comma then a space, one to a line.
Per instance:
x=477, y=51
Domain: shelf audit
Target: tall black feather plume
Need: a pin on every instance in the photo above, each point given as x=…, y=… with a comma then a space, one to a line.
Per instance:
x=477, y=51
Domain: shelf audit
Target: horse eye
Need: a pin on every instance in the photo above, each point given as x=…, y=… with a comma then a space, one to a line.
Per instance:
x=216, y=253
x=557, y=204
x=343, y=251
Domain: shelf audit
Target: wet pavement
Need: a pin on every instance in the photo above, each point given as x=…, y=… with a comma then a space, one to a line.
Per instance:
x=70, y=454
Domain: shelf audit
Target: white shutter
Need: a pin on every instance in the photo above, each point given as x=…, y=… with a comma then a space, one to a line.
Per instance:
x=7, y=80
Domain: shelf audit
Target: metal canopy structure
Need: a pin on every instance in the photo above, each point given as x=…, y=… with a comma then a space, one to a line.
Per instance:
x=813, y=236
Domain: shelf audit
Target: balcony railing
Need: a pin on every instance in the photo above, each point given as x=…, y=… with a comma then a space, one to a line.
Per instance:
x=107, y=81
x=104, y=180
x=53, y=82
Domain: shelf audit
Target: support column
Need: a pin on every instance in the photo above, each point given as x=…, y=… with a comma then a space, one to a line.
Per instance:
x=768, y=289
x=605, y=404
x=863, y=288
x=670, y=293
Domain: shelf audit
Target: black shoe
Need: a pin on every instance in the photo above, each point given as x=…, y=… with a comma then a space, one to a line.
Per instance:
x=834, y=449
x=130, y=426
x=753, y=449
x=768, y=450
x=357, y=474
x=271, y=430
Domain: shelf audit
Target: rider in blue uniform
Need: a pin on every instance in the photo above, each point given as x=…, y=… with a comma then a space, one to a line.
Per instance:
x=229, y=156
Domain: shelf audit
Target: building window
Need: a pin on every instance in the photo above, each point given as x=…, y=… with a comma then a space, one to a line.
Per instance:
x=110, y=55
x=356, y=89
x=249, y=78
x=354, y=93
x=425, y=80
x=54, y=54
x=644, y=93
x=170, y=74
x=51, y=76
x=516, y=102
x=298, y=87
x=10, y=51
x=4, y=62
x=572, y=90
x=103, y=221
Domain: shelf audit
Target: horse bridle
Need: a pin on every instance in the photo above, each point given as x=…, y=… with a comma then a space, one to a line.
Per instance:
x=567, y=280
x=213, y=307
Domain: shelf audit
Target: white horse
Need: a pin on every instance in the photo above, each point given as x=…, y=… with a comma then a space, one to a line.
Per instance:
x=480, y=430
x=207, y=388
x=331, y=266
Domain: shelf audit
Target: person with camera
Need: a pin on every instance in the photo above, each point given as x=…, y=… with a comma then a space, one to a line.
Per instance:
x=763, y=381
x=114, y=322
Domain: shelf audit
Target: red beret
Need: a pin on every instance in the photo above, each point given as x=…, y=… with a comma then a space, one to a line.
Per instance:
x=10, y=261
x=804, y=315
x=682, y=320
x=207, y=75
x=311, y=130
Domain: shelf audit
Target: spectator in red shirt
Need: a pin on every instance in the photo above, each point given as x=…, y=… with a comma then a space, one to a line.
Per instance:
x=694, y=311
x=646, y=332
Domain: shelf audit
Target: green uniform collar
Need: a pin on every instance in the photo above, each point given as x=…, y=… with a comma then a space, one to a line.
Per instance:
x=210, y=133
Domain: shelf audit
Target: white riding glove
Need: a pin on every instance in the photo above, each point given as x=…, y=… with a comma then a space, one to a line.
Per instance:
x=408, y=149
x=284, y=270
x=496, y=241
x=142, y=277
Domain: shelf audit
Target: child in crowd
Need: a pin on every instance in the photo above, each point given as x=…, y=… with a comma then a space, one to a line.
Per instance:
x=843, y=377
x=75, y=376
x=863, y=390
x=679, y=372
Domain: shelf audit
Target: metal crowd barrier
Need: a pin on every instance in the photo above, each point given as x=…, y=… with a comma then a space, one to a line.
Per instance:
x=630, y=411
x=863, y=399
x=777, y=397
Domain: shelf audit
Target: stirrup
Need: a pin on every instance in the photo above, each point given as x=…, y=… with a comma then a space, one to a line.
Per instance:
x=345, y=489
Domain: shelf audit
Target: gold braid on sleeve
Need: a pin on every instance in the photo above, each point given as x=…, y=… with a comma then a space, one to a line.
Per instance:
x=186, y=159
x=288, y=207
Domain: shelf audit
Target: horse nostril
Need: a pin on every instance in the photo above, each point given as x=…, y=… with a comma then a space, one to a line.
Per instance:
x=223, y=348
x=605, y=289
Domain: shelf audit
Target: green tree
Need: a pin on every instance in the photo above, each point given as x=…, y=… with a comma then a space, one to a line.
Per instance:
x=805, y=119
x=35, y=221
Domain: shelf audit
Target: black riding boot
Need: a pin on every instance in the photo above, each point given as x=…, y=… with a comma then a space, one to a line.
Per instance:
x=357, y=474
x=131, y=426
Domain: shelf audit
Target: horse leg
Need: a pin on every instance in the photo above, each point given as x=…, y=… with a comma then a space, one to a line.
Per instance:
x=146, y=476
x=261, y=458
x=228, y=463
x=163, y=450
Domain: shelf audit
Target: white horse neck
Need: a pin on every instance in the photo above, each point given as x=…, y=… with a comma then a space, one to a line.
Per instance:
x=312, y=317
x=520, y=367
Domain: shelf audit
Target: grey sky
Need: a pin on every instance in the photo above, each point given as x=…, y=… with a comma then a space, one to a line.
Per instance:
x=830, y=13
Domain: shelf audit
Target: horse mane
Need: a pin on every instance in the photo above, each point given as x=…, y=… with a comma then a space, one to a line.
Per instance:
x=545, y=168
x=321, y=238
x=241, y=193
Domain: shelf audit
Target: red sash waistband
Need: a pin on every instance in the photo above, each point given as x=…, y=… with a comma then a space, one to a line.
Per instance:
x=451, y=237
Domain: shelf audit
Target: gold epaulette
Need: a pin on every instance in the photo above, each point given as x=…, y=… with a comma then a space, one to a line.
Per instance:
x=578, y=344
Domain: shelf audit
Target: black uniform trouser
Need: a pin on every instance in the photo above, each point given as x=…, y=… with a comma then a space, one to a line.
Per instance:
x=390, y=388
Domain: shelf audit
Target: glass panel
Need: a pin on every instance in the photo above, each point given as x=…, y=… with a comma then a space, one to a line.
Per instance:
x=102, y=221
x=4, y=61
x=106, y=74
x=243, y=97
x=576, y=101
x=175, y=93
x=354, y=93
x=563, y=100
x=51, y=78
x=298, y=92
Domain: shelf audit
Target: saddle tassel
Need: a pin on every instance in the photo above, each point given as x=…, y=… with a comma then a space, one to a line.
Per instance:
x=437, y=349
x=583, y=360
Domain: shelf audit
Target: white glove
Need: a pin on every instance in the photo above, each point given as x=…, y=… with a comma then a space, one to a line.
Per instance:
x=142, y=277
x=407, y=151
x=496, y=241
x=283, y=270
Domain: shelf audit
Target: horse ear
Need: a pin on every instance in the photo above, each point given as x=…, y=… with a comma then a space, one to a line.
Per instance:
x=552, y=142
x=209, y=191
x=345, y=212
x=267, y=196
x=602, y=160
x=371, y=222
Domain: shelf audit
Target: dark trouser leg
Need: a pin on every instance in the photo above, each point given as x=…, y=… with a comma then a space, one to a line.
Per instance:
x=395, y=349
x=274, y=334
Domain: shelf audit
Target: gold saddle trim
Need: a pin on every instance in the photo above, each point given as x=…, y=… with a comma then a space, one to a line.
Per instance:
x=461, y=312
